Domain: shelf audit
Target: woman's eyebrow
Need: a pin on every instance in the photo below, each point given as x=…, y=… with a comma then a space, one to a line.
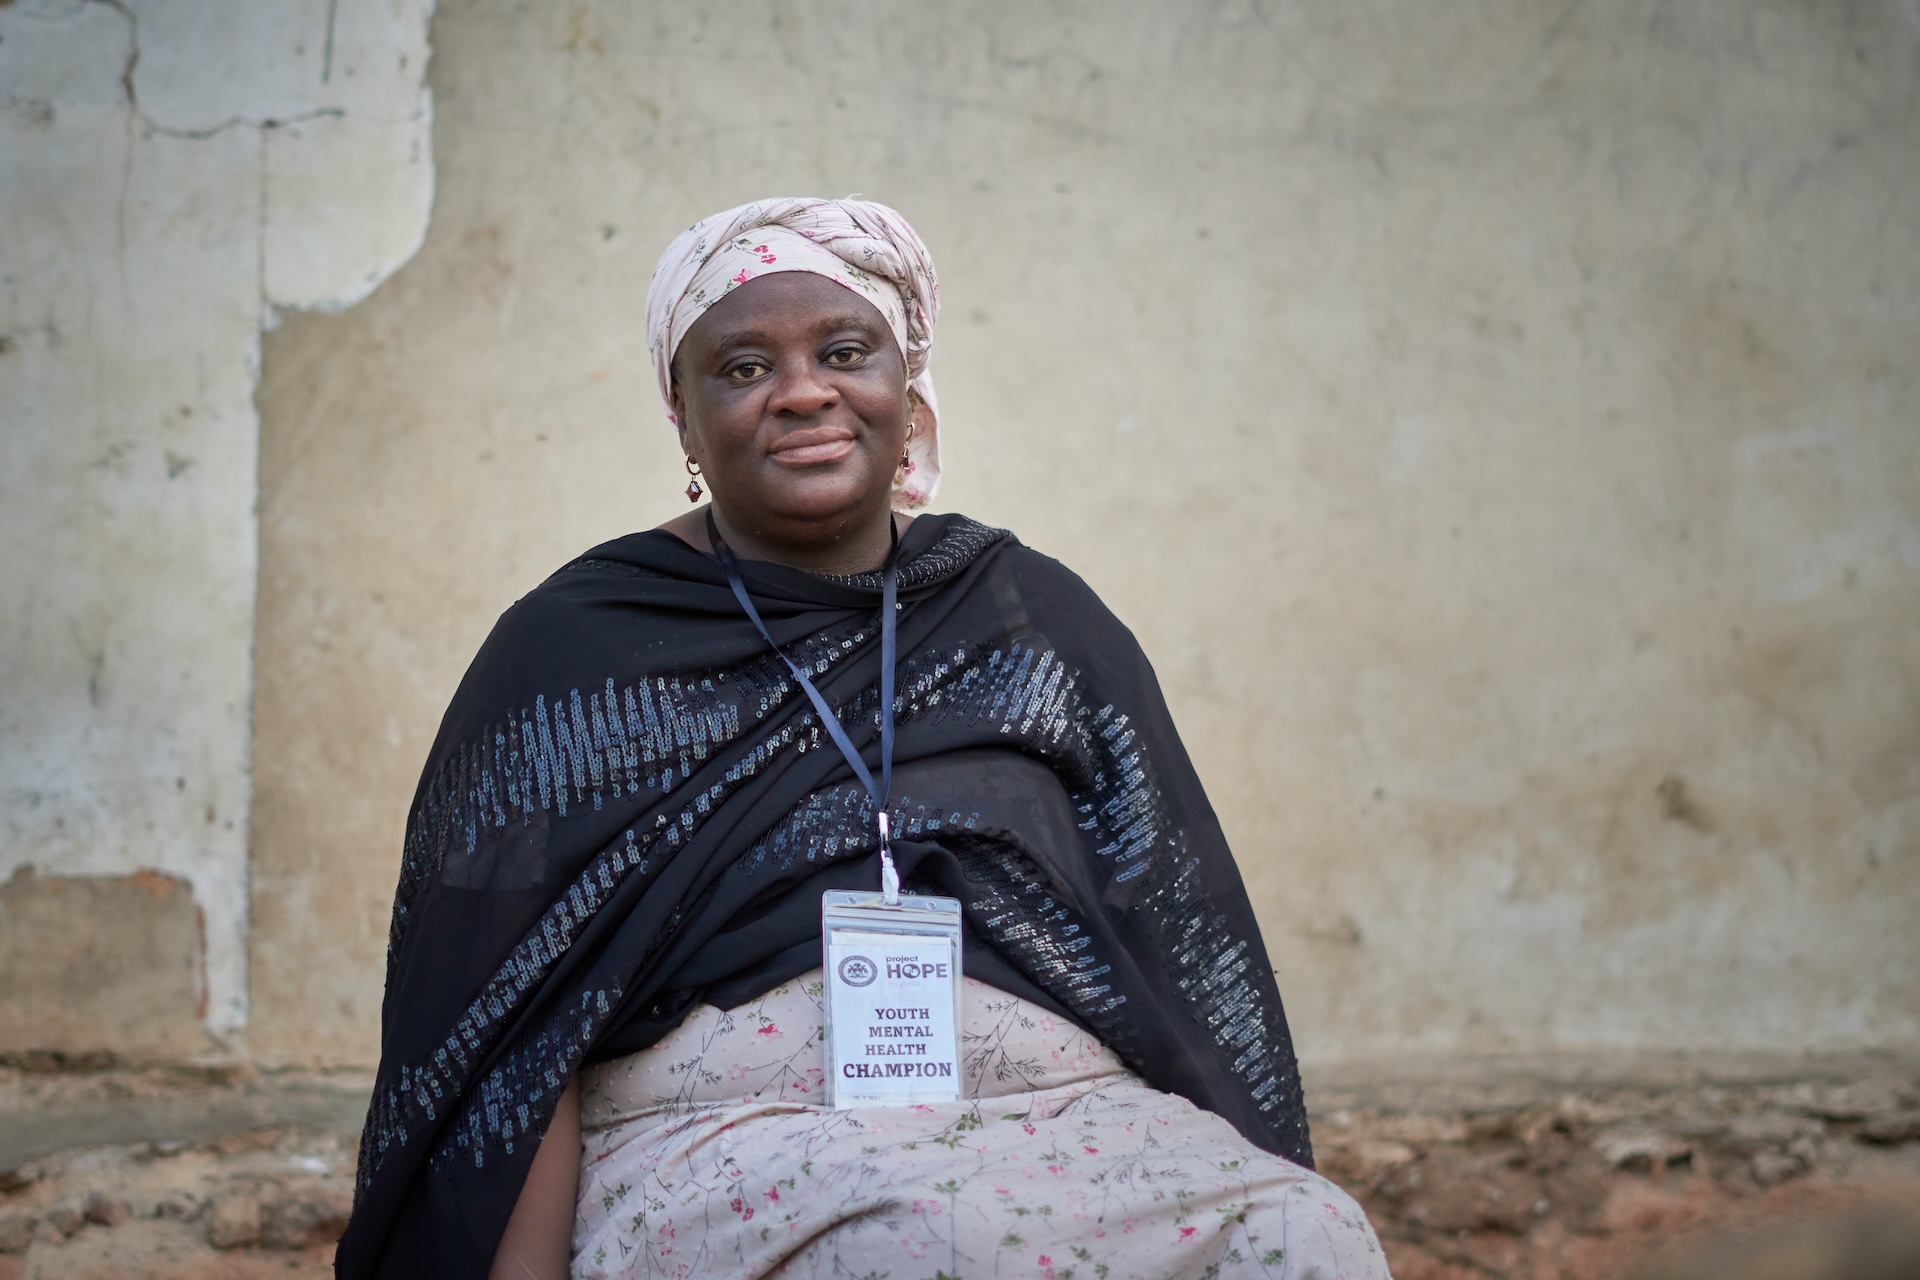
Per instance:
x=851, y=320
x=740, y=338
x=828, y=324
x=730, y=342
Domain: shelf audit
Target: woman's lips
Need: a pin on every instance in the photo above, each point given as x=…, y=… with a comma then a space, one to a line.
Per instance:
x=811, y=446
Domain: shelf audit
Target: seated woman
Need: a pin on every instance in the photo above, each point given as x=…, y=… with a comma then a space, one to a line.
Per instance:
x=602, y=1038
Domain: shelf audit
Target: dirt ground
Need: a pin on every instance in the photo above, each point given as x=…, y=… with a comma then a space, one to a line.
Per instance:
x=216, y=1171
x=1543, y=1179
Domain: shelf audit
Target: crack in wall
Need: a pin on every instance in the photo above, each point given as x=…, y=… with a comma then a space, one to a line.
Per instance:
x=139, y=119
x=138, y=116
x=129, y=87
x=239, y=122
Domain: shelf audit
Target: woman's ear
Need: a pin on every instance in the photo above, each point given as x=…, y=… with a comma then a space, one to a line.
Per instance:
x=678, y=404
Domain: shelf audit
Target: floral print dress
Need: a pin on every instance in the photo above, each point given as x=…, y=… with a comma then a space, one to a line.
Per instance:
x=710, y=1154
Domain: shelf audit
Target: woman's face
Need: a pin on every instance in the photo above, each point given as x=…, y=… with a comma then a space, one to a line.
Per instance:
x=792, y=397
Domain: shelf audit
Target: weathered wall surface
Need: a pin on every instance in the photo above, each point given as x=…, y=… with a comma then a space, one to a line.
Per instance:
x=169, y=175
x=1498, y=424
x=114, y=962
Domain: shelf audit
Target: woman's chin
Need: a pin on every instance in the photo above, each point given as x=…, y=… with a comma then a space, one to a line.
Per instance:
x=816, y=510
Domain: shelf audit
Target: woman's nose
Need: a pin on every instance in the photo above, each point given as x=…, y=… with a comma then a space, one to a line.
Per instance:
x=801, y=389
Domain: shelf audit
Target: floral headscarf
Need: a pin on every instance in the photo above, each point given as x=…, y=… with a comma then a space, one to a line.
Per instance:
x=866, y=247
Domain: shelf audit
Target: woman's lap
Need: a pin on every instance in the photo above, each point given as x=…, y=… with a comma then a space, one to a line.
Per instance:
x=1091, y=1175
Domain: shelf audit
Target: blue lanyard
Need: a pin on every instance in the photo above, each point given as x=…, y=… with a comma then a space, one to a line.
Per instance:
x=883, y=793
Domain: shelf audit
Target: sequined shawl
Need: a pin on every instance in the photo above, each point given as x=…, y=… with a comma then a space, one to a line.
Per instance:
x=630, y=809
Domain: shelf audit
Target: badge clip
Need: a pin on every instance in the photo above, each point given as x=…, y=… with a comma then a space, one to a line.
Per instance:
x=889, y=875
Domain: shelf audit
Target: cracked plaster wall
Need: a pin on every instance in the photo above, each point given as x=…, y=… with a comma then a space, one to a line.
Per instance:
x=172, y=176
x=1498, y=422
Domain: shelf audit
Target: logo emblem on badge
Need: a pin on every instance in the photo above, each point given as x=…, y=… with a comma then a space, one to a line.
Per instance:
x=858, y=971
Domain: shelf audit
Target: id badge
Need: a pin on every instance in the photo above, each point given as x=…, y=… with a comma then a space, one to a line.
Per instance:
x=893, y=999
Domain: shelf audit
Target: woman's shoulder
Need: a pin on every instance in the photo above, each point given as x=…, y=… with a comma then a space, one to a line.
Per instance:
x=637, y=570
x=1055, y=599
x=1037, y=572
x=661, y=552
x=632, y=567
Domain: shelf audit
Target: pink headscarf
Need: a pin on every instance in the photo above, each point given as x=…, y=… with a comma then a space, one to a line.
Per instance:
x=866, y=247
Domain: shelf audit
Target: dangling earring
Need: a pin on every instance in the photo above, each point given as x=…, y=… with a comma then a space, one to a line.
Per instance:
x=906, y=457
x=693, y=486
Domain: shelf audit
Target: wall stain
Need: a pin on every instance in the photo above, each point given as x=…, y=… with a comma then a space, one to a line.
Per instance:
x=1678, y=804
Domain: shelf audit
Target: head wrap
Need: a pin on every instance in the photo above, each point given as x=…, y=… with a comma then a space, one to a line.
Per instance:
x=866, y=247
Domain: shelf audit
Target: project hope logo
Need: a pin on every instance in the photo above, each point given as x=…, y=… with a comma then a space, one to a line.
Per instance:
x=914, y=970
x=859, y=971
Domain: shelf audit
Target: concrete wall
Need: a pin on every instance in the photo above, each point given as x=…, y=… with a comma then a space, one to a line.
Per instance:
x=1498, y=423
x=170, y=175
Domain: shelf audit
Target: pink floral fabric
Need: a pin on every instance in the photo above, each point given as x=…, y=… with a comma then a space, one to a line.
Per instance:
x=866, y=247
x=709, y=1155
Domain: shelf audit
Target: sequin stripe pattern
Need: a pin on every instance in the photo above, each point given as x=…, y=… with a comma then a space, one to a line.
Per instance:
x=1020, y=692
x=419, y=1092
x=958, y=546
x=1214, y=969
x=573, y=751
x=516, y=1094
x=1036, y=700
x=624, y=568
x=1211, y=966
x=1044, y=937
x=1030, y=696
x=836, y=823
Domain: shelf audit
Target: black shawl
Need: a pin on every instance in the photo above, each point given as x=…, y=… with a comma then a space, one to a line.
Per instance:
x=631, y=808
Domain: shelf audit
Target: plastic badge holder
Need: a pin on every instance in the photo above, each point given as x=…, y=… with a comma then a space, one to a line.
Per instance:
x=893, y=999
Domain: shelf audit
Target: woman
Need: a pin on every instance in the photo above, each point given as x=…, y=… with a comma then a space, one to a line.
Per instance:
x=634, y=806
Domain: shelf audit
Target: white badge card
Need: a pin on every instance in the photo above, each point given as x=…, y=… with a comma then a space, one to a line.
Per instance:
x=893, y=999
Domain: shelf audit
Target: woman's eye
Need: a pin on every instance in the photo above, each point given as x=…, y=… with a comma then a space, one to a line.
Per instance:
x=846, y=357
x=745, y=371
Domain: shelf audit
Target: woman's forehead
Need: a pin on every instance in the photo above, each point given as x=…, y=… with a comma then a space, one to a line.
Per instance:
x=784, y=306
